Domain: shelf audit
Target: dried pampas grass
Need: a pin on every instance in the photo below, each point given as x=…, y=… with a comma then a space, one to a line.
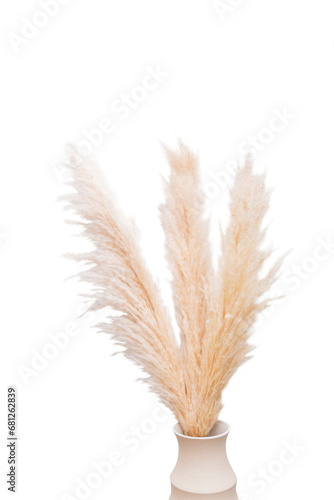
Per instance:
x=215, y=311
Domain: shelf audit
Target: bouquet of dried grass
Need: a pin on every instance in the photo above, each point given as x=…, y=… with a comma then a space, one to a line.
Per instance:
x=215, y=311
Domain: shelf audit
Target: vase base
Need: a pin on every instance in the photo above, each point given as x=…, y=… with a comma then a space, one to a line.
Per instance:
x=177, y=494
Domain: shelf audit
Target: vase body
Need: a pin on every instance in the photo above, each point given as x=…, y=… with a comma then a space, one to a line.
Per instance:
x=203, y=471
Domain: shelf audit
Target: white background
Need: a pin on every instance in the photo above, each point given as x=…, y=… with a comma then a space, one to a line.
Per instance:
x=224, y=77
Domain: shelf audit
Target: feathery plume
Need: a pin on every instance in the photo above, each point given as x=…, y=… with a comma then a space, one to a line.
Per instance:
x=188, y=253
x=238, y=301
x=121, y=281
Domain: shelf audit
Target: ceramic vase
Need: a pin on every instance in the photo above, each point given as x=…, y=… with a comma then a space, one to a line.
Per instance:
x=203, y=470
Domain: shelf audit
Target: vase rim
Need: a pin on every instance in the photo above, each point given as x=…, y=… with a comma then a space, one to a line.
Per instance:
x=220, y=429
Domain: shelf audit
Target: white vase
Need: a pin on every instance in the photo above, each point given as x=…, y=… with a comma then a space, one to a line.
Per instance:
x=203, y=470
